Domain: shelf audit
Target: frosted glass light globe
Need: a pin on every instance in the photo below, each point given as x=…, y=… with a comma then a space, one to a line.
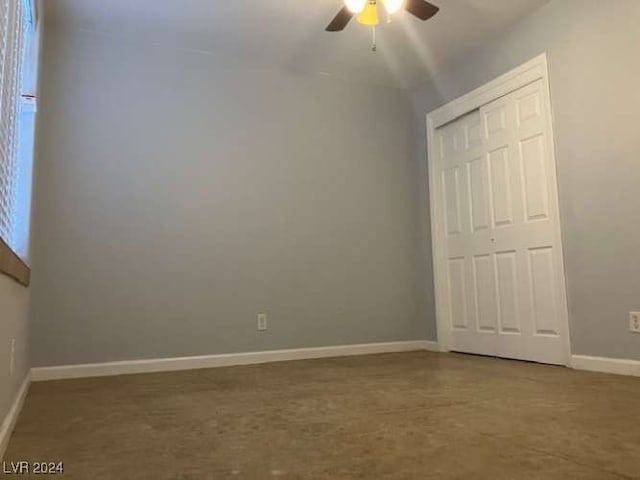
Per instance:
x=392, y=6
x=355, y=6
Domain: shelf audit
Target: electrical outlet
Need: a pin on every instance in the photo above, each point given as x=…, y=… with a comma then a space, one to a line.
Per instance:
x=262, y=322
x=12, y=358
x=634, y=322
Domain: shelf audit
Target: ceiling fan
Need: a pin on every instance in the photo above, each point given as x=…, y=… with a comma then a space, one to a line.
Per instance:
x=367, y=12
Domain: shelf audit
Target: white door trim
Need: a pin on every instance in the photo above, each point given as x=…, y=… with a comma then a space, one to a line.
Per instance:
x=535, y=69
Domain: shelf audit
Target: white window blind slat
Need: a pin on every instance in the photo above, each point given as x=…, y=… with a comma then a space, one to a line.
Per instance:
x=12, y=33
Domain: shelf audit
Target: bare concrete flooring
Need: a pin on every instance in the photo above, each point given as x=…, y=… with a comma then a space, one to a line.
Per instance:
x=396, y=416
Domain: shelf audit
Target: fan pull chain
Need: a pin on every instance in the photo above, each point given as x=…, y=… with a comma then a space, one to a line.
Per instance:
x=374, y=47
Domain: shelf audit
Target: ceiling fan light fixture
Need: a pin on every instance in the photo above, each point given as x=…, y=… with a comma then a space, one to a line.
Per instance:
x=355, y=6
x=366, y=12
x=393, y=6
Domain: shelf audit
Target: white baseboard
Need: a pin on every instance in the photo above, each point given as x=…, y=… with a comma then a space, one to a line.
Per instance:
x=225, y=360
x=606, y=365
x=430, y=345
x=10, y=420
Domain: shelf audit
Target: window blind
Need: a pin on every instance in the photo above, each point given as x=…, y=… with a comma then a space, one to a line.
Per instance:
x=12, y=41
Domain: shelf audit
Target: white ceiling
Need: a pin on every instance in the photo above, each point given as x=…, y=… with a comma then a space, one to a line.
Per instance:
x=290, y=33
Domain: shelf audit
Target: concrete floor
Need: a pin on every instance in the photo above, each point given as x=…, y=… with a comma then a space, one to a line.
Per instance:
x=397, y=416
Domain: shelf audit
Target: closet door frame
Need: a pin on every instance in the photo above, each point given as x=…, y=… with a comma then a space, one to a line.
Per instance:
x=534, y=70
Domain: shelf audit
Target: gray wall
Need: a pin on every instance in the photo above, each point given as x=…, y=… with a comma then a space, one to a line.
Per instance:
x=179, y=196
x=14, y=300
x=594, y=51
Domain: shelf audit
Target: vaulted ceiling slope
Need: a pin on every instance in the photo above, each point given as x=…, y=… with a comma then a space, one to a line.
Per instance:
x=290, y=34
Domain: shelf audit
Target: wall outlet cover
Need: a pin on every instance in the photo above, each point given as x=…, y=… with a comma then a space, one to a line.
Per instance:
x=262, y=322
x=634, y=322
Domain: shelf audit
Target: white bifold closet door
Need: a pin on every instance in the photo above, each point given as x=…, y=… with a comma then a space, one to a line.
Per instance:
x=503, y=291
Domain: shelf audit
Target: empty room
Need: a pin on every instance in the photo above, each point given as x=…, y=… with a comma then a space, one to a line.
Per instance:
x=319, y=239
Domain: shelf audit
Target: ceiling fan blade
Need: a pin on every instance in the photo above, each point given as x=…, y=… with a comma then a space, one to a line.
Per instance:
x=421, y=9
x=340, y=21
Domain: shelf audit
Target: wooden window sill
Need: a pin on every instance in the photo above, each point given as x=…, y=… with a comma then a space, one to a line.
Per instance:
x=13, y=266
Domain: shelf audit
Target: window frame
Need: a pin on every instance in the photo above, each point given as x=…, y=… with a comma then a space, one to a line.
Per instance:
x=12, y=264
